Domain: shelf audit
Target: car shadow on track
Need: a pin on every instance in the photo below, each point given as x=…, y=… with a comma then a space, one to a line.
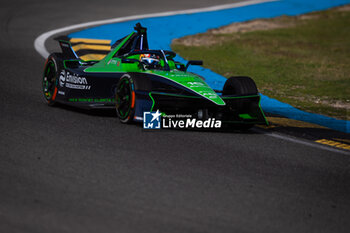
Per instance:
x=103, y=112
x=110, y=113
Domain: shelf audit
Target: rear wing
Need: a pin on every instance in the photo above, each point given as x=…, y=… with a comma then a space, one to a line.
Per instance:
x=68, y=50
x=66, y=47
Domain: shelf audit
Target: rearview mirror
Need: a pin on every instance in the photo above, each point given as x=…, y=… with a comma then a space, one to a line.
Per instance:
x=194, y=62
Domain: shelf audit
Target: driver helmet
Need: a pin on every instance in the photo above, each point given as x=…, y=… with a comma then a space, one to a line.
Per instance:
x=150, y=60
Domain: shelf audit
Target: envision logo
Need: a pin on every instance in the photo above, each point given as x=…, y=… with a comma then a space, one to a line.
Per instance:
x=62, y=78
x=73, y=81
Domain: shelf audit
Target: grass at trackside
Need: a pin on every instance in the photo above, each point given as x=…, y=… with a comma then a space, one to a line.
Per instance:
x=306, y=65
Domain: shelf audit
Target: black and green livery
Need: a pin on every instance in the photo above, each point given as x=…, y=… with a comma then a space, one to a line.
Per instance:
x=134, y=79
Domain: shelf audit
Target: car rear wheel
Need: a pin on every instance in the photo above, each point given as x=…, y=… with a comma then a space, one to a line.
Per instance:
x=125, y=99
x=50, y=77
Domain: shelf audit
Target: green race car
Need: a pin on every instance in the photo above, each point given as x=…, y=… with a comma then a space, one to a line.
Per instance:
x=135, y=80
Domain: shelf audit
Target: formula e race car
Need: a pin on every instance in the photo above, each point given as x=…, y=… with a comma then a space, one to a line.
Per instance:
x=134, y=79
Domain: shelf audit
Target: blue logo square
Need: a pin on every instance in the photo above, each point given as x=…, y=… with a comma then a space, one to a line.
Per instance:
x=151, y=120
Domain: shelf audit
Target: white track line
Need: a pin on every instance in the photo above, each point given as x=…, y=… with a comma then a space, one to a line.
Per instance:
x=303, y=142
x=39, y=43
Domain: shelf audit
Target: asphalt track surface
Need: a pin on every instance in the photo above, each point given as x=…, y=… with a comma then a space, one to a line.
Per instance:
x=64, y=170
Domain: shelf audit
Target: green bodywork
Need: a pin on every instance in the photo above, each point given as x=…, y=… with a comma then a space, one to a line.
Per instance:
x=114, y=64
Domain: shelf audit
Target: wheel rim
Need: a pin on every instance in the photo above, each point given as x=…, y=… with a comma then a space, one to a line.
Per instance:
x=49, y=80
x=123, y=99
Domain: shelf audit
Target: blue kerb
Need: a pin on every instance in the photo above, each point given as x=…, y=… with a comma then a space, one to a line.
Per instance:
x=162, y=30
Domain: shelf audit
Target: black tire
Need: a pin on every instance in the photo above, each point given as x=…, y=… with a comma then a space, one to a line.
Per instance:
x=53, y=65
x=125, y=99
x=240, y=85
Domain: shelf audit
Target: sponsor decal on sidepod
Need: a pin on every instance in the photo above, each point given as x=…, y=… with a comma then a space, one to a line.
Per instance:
x=73, y=81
